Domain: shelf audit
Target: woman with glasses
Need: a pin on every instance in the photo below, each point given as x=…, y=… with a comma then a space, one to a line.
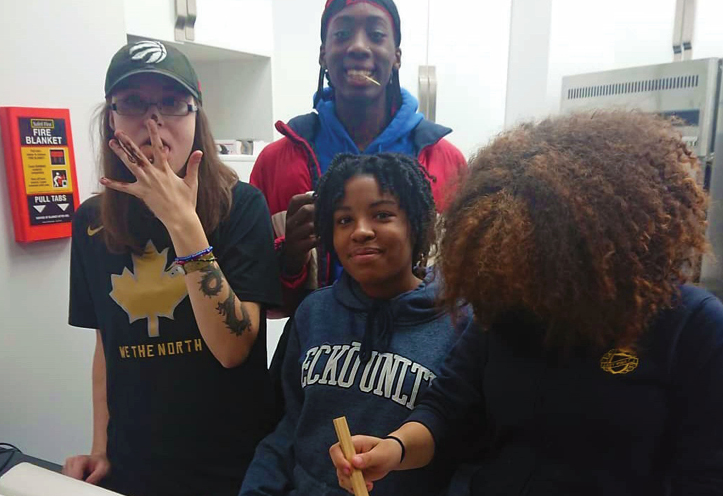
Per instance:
x=173, y=265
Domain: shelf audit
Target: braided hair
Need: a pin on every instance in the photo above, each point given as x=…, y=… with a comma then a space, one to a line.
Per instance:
x=400, y=175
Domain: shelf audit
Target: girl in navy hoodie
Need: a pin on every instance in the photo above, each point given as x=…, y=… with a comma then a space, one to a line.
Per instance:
x=368, y=346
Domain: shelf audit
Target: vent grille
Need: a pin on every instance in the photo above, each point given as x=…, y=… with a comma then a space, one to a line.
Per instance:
x=662, y=84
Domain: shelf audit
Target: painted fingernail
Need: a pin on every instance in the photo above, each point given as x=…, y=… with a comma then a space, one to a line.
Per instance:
x=131, y=156
x=104, y=180
x=129, y=153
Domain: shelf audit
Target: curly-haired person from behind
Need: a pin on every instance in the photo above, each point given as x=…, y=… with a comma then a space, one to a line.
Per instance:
x=368, y=346
x=595, y=367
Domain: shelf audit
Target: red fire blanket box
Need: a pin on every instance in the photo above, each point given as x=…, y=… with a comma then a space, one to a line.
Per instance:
x=40, y=169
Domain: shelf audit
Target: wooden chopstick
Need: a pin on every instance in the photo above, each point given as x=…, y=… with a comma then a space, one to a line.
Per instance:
x=347, y=447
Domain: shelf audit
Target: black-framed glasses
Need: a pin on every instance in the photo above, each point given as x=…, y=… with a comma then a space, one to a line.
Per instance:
x=134, y=106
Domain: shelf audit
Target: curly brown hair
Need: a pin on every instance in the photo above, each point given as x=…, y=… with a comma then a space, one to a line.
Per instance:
x=589, y=222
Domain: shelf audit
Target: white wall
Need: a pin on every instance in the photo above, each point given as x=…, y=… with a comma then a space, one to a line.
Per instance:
x=295, y=60
x=53, y=55
x=528, y=60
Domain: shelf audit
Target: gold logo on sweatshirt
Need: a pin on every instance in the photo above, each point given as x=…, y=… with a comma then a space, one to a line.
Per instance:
x=617, y=361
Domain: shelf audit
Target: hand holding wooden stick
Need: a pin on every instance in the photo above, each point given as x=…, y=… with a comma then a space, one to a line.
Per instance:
x=347, y=447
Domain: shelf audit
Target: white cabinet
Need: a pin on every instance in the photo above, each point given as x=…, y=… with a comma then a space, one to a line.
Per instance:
x=240, y=25
x=237, y=25
x=150, y=18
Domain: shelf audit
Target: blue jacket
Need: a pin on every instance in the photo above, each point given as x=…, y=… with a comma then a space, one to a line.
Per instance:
x=325, y=375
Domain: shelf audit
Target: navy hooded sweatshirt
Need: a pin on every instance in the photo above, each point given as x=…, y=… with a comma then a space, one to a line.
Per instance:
x=325, y=375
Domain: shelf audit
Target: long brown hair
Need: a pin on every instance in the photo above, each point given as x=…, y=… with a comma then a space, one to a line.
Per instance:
x=589, y=222
x=215, y=181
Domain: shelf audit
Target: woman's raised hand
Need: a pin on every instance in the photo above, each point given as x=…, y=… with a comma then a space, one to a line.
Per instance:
x=171, y=198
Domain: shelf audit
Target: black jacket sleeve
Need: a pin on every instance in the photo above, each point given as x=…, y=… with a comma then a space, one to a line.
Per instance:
x=455, y=397
x=697, y=404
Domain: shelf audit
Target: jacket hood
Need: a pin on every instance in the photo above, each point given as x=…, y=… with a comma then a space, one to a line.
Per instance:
x=413, y=307
x=383, y=316
x=395, y=137
x=304, y=128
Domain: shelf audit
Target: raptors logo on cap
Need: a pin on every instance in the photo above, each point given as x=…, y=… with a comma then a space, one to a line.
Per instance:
x=151, y=52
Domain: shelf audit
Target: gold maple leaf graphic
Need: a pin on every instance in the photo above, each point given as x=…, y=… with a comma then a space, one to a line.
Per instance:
x=149, y=292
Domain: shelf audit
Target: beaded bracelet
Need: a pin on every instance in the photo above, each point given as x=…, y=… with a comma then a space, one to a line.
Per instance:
x=195, y=256
x=188, y=266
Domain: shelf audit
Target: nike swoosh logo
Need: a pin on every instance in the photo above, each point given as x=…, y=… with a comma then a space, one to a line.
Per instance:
x=93, y=232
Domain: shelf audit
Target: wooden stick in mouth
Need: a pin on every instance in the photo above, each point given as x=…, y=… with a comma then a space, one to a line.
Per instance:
x=347, y=447
x=372, y=80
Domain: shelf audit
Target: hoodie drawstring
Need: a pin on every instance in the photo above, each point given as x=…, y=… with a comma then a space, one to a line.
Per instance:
x=378, y=331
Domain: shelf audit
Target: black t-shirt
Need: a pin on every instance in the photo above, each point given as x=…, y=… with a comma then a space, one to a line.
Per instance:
x=180, y=423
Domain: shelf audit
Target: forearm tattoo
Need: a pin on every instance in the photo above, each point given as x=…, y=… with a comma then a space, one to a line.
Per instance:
x=227, y=308
x=212, y=280
x=211, y=285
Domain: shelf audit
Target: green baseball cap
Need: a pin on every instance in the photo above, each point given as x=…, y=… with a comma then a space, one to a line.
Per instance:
x=153, y=57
